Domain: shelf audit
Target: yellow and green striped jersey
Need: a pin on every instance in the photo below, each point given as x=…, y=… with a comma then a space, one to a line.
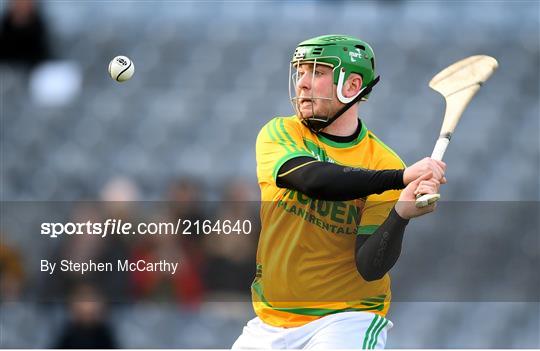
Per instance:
x=305, y=257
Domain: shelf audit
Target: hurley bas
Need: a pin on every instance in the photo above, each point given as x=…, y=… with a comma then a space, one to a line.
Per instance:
x=121, y=266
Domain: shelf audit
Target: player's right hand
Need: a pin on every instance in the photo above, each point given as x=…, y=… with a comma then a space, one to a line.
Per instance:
x=437, y=168
x=406, y=205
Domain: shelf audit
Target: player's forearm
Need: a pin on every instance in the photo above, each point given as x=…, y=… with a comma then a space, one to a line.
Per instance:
x=378, y=254
x=328, y=181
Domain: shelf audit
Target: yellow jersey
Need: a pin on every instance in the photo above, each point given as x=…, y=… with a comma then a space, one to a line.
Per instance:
x=305, y=258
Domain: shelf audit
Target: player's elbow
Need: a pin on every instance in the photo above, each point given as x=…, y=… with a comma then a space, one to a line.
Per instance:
x=370, y=277
x=368, y=273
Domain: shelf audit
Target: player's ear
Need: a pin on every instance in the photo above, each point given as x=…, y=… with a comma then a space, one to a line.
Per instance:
x=353, y=85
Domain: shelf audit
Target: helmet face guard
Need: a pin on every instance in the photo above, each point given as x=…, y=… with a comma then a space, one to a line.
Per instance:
x=311, y=99
x=345, y=55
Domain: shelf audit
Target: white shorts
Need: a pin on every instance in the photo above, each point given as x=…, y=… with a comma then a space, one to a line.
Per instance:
x=345, y=330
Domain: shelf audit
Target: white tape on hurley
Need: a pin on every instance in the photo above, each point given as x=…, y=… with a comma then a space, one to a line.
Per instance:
x=440, y=148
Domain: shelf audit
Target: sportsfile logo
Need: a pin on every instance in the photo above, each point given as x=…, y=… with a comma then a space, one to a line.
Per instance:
x=120, y=227
x=110, y=226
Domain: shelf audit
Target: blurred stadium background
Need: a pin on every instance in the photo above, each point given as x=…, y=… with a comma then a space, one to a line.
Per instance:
x=208, y=75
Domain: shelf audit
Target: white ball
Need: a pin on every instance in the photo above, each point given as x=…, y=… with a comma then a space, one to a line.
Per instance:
x=121, y=68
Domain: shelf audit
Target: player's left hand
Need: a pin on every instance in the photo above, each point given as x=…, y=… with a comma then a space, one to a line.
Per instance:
x=406, y=205
x=427, y=164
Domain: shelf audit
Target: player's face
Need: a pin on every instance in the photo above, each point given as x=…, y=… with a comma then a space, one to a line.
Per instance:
x=314, y=90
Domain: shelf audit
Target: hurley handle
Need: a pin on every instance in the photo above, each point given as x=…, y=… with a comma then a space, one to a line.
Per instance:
x=423, y=200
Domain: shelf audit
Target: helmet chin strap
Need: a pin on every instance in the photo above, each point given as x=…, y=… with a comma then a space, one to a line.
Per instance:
x=318, y=123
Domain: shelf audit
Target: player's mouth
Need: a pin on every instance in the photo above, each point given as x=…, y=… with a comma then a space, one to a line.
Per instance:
x=305, y=101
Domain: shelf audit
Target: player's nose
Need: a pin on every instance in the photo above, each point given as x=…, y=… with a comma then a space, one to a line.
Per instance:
x=304, y=82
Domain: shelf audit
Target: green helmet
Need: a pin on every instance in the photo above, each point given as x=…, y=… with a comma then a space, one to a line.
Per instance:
x=345, y=53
